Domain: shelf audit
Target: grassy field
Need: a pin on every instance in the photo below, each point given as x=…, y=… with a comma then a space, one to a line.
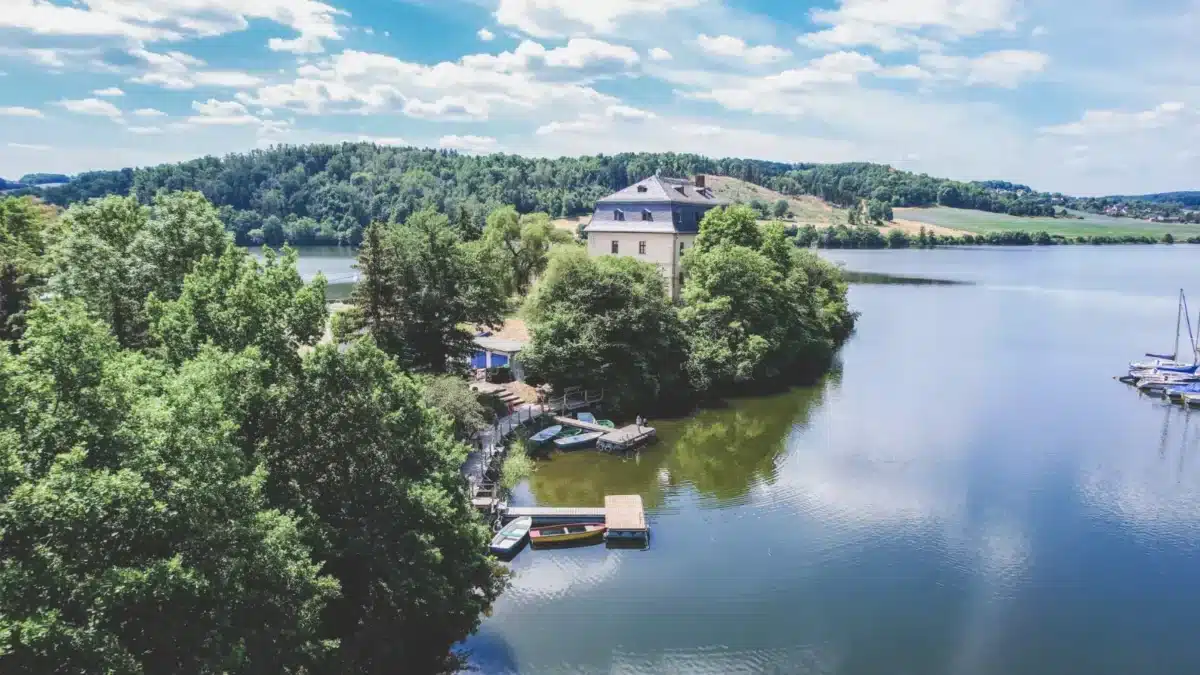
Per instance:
x=981, y=222
x=805, y=210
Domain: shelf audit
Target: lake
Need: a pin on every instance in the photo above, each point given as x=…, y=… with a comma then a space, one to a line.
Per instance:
x=335, y=262
x=969, y=493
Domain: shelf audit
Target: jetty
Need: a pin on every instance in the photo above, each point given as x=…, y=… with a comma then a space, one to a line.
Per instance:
x=623, y=515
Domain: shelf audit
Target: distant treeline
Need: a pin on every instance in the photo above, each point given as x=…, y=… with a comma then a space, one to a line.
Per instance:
x=869, y=237
x=330, y=193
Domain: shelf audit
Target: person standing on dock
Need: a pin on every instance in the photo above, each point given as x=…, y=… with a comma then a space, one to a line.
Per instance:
x=639, y=421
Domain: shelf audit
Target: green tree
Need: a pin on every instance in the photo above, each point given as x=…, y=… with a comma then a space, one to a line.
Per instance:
x=756, y=314
x=419, y=287
x=780, y=209
x=1168, y=238
x=896, y=238
x=454, y=398
x=114, y=254
x=24, y=230
x=235, y=302
x=606, y=323
x=376, y=472
x=732, y=225
x=137, y=538
x=518, y=247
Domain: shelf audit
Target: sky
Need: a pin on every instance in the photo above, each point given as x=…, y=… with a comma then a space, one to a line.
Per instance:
x=1083, y=98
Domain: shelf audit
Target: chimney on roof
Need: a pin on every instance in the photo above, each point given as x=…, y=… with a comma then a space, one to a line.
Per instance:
x=700, y=180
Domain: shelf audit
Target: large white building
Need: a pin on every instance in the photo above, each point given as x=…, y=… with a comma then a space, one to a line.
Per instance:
x=655, y=220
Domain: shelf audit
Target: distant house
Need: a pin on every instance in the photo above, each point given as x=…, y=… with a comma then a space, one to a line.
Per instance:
x=655, y=220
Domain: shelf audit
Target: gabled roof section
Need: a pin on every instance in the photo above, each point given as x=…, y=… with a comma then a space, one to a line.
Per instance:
x=658, y=190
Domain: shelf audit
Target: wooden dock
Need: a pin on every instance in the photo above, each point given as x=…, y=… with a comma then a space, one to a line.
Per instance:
x=587, y=426
x=627, y=438
x=624, y=516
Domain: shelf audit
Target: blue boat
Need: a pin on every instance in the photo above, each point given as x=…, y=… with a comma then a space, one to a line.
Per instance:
x=1176, y=393
x=586, y=417
x=579, y=441
x=546, y=434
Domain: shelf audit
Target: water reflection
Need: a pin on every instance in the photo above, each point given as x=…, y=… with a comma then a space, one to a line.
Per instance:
x=722, y=453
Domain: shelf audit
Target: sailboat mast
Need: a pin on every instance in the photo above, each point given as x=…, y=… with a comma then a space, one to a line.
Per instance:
x=1178, y=316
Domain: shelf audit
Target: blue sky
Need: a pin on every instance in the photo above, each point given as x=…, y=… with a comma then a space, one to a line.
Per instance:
x=1086, y=98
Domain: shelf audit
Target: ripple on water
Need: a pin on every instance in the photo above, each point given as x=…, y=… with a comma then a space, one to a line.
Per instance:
x=546, y=574
x=719, y=659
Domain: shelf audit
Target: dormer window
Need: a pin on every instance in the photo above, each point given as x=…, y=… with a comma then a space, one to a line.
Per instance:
x=618, y=214
x=680, y=190
x=643, y=188
x=646, y=215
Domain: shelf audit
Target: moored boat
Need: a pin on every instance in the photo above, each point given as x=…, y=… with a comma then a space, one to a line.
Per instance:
x=608, y=424
x=546, y=434
x=578, y=441
x=586, y=417
x=559, y=534
x=510, y=537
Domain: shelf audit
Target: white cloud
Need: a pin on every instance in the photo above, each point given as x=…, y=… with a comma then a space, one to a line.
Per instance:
x=906, y=72
x=628, y=113
x=729, y=46
x=468, y=144
x=179, y=71
x=224, y=113
x=384, y=140
x=1005, y=68
x=578, y=53
x=897, y=25
x=111, y=91
x=587, y=122
x=28, y=146
x=144, y=131
x=591, y=122
x=91, y=106
x=157, y=20
x=45, y=57
x=473, y=88
x=555, y=18
x=1038, y=31
x=660, y=54
x=1100, y=122
x=19, y=111
x=447, y=108
x=149, y=112
x=485, y=35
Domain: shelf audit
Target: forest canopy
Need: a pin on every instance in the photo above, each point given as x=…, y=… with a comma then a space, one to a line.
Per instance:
x=331, y=193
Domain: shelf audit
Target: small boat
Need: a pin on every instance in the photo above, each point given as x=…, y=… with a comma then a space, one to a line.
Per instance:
x=1191, y=400
x=510, y=537
x=1171, y=360
x=578, y=441
x=546, y=434
x=1177, y=393
x=608, y=424
x=558, y=534
x=589, y=418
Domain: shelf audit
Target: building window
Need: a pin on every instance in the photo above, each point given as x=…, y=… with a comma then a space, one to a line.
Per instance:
x=616, y=247
x=678, y=218
x=641, y=248
x=681, y=245
x=646, y=215
x=618, y=214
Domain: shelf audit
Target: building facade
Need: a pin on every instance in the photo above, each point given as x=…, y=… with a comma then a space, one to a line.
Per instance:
x=655, y=220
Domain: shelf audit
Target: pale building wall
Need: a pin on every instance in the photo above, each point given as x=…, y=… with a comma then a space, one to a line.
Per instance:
x=662, y=249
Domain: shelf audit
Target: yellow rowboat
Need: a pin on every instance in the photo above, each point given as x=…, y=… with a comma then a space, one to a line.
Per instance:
x=557, y=534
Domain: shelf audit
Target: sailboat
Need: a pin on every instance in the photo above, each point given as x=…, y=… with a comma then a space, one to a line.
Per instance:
x=1167, y=364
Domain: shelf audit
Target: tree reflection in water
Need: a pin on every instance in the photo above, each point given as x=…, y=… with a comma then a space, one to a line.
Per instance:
x=719, y=452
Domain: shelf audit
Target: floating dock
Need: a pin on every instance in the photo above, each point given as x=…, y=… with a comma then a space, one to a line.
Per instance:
x=627, y=438
x=624, y=516
x=586, y=426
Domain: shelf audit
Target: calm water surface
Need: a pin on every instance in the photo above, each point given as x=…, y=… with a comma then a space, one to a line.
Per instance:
x=970, y=493
x=335, y=262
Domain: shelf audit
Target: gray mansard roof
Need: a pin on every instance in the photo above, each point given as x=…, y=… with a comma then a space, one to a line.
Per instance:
x=659, y=190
